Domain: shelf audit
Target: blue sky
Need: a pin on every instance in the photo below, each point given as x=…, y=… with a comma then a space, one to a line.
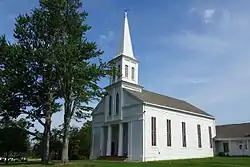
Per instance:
x=196, y=50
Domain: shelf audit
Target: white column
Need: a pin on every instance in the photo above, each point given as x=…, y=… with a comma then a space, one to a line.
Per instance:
x=101, y=140
x=92, y=145
x=113, y=103
x=120, y=146
x=109, y=140
x=106, y=107
x=130, y=140
x=247, y=149
x=229, y=149
x=121, y=103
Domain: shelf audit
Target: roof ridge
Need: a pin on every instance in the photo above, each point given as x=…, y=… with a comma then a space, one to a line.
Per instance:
x=164, y=100
x=234, y=124
x=173, y=98
x=163, y=95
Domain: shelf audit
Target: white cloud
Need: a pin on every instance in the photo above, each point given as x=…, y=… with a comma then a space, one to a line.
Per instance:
x=192, y=10
x=107, y=38
x=200, y=43
x=187, y=80
x=208, y=15
x=12, y=17
x=214, y=71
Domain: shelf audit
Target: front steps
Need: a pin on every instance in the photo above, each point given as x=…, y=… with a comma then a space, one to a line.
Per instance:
x=112, y=158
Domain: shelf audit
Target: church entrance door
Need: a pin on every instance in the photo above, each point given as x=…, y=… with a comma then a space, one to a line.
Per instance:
x=113, y=148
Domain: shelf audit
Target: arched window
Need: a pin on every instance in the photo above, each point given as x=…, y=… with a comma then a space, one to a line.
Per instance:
x=110, y=105
x=126, y=71
x=117, y=107
x=119, y=71
x=114, y=74
x=133, y=73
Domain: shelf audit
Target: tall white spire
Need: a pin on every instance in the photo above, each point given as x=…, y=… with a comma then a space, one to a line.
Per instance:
x=126, y=44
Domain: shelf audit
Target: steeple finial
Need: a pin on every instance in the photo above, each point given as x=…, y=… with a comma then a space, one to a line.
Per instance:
x=126, y=13
x=126, y=44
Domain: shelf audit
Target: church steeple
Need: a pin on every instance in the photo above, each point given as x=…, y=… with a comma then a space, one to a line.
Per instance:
x=125, y=61
x=126, y=48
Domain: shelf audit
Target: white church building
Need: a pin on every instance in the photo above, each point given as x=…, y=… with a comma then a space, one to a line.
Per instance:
x=141, y=125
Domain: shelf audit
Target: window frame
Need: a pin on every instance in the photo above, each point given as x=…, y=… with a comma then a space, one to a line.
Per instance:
x=199, y=135
x=153, y=131
x=114, y=74
x=126, y=71
x=169, y=133
x=117, y=103
x=184, y=134
x=110, y=105
x=210, y=136
x=133, y=73
x=119, y=71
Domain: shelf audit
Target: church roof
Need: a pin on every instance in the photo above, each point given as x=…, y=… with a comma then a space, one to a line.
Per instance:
x=167, y=101
x=233, y=130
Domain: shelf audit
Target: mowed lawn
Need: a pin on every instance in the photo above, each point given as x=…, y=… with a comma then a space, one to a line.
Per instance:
x=208, y=162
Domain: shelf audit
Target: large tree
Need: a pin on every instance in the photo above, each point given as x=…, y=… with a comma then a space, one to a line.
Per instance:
x=27, y=85
x=17, y=86
x=29, y=80
x=79, y=63
x=52, y=59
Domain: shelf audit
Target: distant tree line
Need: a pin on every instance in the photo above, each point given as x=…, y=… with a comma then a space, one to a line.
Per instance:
x=79, y=143
x=15, y=143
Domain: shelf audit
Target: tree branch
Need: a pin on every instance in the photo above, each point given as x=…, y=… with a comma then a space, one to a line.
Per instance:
x=34, y=116
x=29, y=132
x=9, y=98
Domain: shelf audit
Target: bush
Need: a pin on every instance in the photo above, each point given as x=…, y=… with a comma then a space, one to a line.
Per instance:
x=221, y=154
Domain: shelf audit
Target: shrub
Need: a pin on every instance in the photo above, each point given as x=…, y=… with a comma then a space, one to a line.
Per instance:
x=223, y=154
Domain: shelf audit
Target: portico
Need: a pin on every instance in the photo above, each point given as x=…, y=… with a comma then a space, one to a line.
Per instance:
x=114, y=140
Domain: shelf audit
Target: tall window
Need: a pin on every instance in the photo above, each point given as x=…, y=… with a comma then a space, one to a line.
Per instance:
x=153, y=130
x=119, y=71
x=226, y=147
x=199, y=135
x=126, y=71
x=133, y=73
x=168, y=132
x=210, y=137
x=184, y=138
x=114, y=74
x=110, y=105
x=117, y=106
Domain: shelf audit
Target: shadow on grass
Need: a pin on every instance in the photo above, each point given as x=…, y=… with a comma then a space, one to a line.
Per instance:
x=53, y=163
x=25, y=163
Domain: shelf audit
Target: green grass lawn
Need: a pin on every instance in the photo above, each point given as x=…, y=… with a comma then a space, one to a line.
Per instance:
x=208, y=162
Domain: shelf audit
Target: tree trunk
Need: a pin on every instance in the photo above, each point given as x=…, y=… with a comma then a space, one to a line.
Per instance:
x=66, y=128
x=46, y=142
x=7, y=158
x=65, y=150
x=47, y=129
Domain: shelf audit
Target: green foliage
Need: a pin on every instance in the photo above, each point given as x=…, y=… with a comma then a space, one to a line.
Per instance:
x=79, y=143
x=85, y=139
x=14, y=139
x=52, y=59
x=12, y=77
x=77, y=61
x=21, y=91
